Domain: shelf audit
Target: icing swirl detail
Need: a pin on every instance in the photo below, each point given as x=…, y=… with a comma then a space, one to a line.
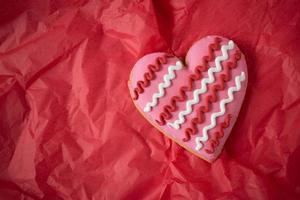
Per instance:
x=237, y=87
x=161, y=87
x=149, y=75
x=225, y=48
x=220, y=85
x=197, y=75
x=216, y=136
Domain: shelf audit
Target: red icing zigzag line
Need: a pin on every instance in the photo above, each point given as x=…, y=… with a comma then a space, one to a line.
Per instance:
x=220, y=85
x=166, y=114
x=150, y=75
x=216, y=136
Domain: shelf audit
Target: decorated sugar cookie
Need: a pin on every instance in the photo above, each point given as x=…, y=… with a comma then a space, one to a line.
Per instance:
x=194, y=102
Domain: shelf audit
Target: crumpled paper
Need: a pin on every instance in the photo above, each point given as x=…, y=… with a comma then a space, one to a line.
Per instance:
x=69, y=130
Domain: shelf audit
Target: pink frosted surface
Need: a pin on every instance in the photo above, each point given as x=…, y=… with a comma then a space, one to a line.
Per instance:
x=193, y=58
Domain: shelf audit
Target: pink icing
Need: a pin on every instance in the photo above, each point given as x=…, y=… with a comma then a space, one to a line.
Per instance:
x=193, y=58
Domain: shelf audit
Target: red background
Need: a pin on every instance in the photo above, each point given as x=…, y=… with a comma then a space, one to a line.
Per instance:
x=69, y=129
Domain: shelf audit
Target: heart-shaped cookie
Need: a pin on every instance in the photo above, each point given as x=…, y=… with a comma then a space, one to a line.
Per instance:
x=196, y=102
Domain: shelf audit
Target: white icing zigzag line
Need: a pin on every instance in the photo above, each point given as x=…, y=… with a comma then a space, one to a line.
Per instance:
x=176, y=124
x=204, y=138
x=167, y=82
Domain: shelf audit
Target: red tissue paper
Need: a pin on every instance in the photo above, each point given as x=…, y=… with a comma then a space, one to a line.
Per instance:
x=69, y=130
